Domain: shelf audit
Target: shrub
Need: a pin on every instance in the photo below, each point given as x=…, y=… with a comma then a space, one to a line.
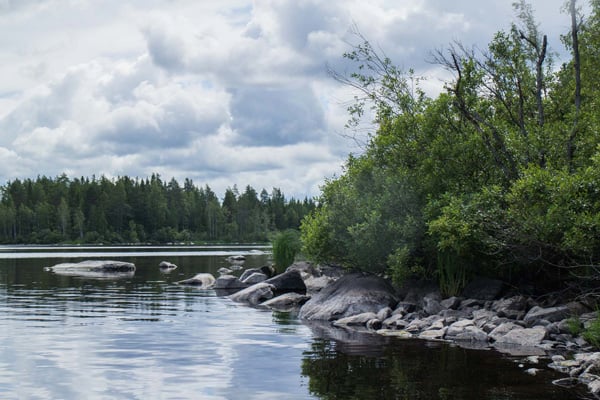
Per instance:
x=452, y=274
x=286, y=246
x=317, y=236
x=592, y=333
x=575, y=326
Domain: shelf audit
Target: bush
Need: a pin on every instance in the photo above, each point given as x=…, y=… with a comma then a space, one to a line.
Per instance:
x=575, y=326
x=592, y=333
x=286, y=246
x=452, y=274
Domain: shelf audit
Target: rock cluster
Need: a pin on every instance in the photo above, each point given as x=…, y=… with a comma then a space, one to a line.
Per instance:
x=505, y=323
x=516, y=324
x=480, y=318
x=583, y=368
x=289, y=290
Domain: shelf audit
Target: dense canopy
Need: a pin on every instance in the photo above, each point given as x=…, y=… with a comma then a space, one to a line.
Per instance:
x=498, y=175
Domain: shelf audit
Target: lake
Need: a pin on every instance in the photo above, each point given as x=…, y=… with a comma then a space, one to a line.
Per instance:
x=144, y=337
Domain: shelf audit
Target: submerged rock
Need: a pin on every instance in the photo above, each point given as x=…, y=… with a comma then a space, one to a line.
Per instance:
x=166, y=266
x=202, y=280
x=96, y=269
x=395, y=333
x=236, y=259
x=95, y=265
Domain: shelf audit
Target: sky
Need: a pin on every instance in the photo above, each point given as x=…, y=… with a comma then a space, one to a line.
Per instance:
x=228, y=92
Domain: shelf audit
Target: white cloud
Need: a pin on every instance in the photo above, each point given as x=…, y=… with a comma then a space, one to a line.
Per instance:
x=221, y=92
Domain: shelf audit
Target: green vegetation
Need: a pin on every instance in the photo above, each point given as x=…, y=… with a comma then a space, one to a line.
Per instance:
x=286, y=246
x=575, y=326
x=498, y=175
x=128, y=210
x=592, y=333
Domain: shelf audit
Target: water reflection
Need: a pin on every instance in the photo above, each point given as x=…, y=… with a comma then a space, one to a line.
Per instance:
x=146, y=337
x=345, y=364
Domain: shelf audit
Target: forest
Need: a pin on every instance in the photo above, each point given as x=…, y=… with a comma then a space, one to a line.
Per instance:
x=125, y=210
x=498, y=175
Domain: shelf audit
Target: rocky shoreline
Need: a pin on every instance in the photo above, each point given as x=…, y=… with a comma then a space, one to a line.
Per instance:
x=485, y=315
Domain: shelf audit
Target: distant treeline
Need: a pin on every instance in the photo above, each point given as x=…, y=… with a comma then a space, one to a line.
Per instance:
x=126, y=210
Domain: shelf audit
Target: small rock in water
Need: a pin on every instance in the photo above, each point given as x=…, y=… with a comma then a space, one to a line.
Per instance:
x=202, y=280
x=565, y=382
x=236, y=259
x=533, y=359
x=166, y=266
x=224, y=271
x=396, y=333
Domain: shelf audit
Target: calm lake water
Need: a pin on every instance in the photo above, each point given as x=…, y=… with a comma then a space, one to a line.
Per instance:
x=143, y=337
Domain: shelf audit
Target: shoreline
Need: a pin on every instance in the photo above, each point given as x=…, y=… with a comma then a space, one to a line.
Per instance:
x=516, y=325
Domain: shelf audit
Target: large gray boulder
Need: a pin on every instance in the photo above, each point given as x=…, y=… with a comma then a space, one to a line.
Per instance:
x=431, y=305
x=470, y=334
x=289, y=281
x=313, y=278
x=458, y=327
x=512, y=307
x=254, y=294
x=229, y=282
x=552, y=314
x=267, y=289
x=254, y=278
x=352, y=294
x=502, y=330
x=317, y=283
x=527, y=337
x=266, y=270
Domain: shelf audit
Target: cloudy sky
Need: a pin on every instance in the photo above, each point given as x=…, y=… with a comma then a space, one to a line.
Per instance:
x=223, y=92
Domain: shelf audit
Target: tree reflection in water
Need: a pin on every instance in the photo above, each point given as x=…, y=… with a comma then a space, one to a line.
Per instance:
x=357, y=365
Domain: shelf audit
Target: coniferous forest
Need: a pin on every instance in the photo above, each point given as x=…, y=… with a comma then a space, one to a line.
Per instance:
x=125, y=210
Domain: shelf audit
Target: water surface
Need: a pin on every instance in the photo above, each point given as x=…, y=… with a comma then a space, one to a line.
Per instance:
x=143, y=337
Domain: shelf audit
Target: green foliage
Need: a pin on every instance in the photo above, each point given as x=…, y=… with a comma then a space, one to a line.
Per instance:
x=575, y=326
x=402, y=266
x=317, y=236
x=286, y=246
x=498, y=174
x=452, y=274
x=592, y=333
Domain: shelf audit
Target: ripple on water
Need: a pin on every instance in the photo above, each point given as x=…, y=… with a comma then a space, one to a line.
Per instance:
x=145, y=337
